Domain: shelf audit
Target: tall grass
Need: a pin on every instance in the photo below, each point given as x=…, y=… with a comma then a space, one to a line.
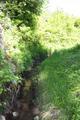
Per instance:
x=60, y=82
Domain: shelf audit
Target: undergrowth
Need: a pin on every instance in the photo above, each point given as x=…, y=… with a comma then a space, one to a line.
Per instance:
x=60, y=82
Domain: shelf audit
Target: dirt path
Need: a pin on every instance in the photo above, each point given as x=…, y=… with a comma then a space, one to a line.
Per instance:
x=26, y=106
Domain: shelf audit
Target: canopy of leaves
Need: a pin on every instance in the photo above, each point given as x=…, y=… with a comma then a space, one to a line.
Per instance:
x=58, y=31
x=23, y=10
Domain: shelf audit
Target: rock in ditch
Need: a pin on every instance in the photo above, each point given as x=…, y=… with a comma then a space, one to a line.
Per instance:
x=2, y=117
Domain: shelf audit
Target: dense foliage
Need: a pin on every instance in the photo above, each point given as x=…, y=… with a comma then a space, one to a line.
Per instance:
x=58, y=31
x=23, y=11
x=59, y=74
x=29, y=37
x=21, y=45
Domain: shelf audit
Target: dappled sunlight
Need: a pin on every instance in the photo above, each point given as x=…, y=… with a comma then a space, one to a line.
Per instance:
x=60, y=31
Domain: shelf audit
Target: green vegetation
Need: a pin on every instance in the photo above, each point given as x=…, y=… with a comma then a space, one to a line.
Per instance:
x=21, y=45
x=30, y=36
x=22, y=11
x=58, y=31
x=60, y=75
